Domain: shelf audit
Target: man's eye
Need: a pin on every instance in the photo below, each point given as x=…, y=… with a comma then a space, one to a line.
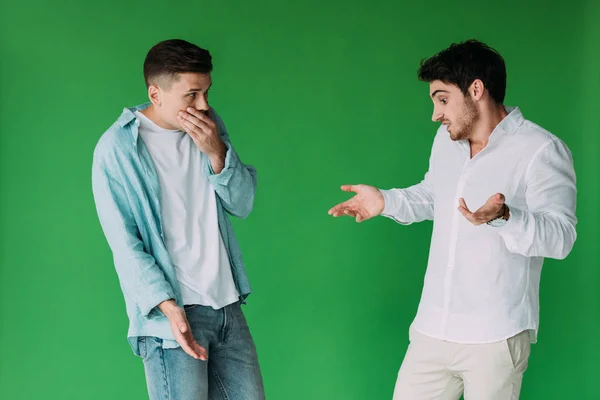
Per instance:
x=192, y=95
x=444, y=101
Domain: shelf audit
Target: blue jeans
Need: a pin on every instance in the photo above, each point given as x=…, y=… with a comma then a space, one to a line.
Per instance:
x=231, y=372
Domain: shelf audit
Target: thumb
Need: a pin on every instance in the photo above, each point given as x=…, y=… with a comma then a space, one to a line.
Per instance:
x=183, y=328
x=348, y=188
x=499, y=198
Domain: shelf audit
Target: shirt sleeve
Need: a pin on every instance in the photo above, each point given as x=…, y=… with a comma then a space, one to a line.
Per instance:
x=412, y=204
x=138, y=273
x=236, y=183
x=547, y=227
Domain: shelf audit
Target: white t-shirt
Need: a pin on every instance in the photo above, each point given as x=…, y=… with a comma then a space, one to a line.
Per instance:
x=189, y=214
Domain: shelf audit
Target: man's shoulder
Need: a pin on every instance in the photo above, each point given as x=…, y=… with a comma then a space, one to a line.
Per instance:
x=535, y=136
x=115, y=139
x=118, y=139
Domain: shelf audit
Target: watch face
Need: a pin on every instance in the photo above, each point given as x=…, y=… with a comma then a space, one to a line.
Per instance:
x=497, y=222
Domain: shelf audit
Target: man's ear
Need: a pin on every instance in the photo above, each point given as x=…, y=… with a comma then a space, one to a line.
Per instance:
x=477, y=89
x=154, y=94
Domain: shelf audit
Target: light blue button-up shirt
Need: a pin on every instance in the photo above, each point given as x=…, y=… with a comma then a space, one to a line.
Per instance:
x=127, y=195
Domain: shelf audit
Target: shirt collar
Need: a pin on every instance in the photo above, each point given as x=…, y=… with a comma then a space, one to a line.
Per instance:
x=128, y=114
x=512, y=121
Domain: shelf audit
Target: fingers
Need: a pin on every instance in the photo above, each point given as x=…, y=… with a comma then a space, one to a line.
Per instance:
x=194, y=350
x=189, y=344
x=199, y=350
x=360, y=216
x=190, y=128
x=201, y=119
x=348, y=204
x=349, y=210
x=202, y=116
x=202, y=352
x=196, y=122
x=466, y=213
x=477, y=218
x=184, y=341
x=193, y=124
x=345, y=208
x=464, y=210
x=499, y=199
x=351, y=213
x=489, y=210
x=339, y=209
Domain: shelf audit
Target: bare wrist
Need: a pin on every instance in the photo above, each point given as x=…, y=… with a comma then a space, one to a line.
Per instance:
x=168, y=307
x=217, y=159
x=220, y=153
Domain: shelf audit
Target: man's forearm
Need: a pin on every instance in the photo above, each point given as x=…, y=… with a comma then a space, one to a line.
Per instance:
x=217, y=159
x=167, y=307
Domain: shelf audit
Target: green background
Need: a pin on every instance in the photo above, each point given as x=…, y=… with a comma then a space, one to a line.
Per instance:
x=315, y=94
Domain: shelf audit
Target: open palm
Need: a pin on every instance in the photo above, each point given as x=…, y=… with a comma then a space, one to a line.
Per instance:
x=367, y=203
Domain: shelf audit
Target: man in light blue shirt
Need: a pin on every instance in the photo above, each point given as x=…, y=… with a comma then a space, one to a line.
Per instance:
x=165, y=176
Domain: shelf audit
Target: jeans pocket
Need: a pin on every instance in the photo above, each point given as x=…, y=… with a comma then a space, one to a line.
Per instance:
x=190, y=307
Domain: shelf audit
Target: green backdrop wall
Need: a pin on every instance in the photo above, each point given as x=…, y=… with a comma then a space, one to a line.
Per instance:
x=315, y=94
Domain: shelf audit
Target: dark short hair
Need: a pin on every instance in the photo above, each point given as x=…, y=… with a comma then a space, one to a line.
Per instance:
x=462, y=63
x=169, y=58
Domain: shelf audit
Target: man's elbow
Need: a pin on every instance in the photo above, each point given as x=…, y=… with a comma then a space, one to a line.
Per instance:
x=243, y=207
x=570, y=235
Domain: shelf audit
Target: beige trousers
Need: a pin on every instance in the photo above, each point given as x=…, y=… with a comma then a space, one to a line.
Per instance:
x=438, y=370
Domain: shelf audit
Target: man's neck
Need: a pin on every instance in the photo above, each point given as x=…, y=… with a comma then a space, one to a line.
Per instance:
x=150, y=113
x=488, y=121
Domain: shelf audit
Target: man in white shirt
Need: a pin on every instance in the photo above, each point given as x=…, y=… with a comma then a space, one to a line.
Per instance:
x=501, y=192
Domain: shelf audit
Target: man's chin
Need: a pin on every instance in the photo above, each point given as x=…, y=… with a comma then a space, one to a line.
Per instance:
x=456, y=137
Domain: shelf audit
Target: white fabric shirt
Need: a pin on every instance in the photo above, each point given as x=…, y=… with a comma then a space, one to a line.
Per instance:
x=482, y=283
x=189, y=214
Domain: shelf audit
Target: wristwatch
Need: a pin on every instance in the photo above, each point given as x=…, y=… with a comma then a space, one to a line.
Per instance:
x=501, y=219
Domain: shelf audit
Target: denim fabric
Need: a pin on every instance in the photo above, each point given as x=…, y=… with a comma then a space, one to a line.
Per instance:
x=231, y=372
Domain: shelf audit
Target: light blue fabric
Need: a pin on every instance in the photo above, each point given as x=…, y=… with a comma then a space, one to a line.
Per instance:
x=127, y=195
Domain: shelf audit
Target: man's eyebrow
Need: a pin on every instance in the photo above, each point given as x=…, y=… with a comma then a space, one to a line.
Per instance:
x=439, y=91
x=199, y=90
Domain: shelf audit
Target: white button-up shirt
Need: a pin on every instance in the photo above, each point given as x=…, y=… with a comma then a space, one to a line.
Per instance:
x=482, y=283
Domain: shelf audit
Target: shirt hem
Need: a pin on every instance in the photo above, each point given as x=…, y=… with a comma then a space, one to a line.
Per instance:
x=533, y=336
